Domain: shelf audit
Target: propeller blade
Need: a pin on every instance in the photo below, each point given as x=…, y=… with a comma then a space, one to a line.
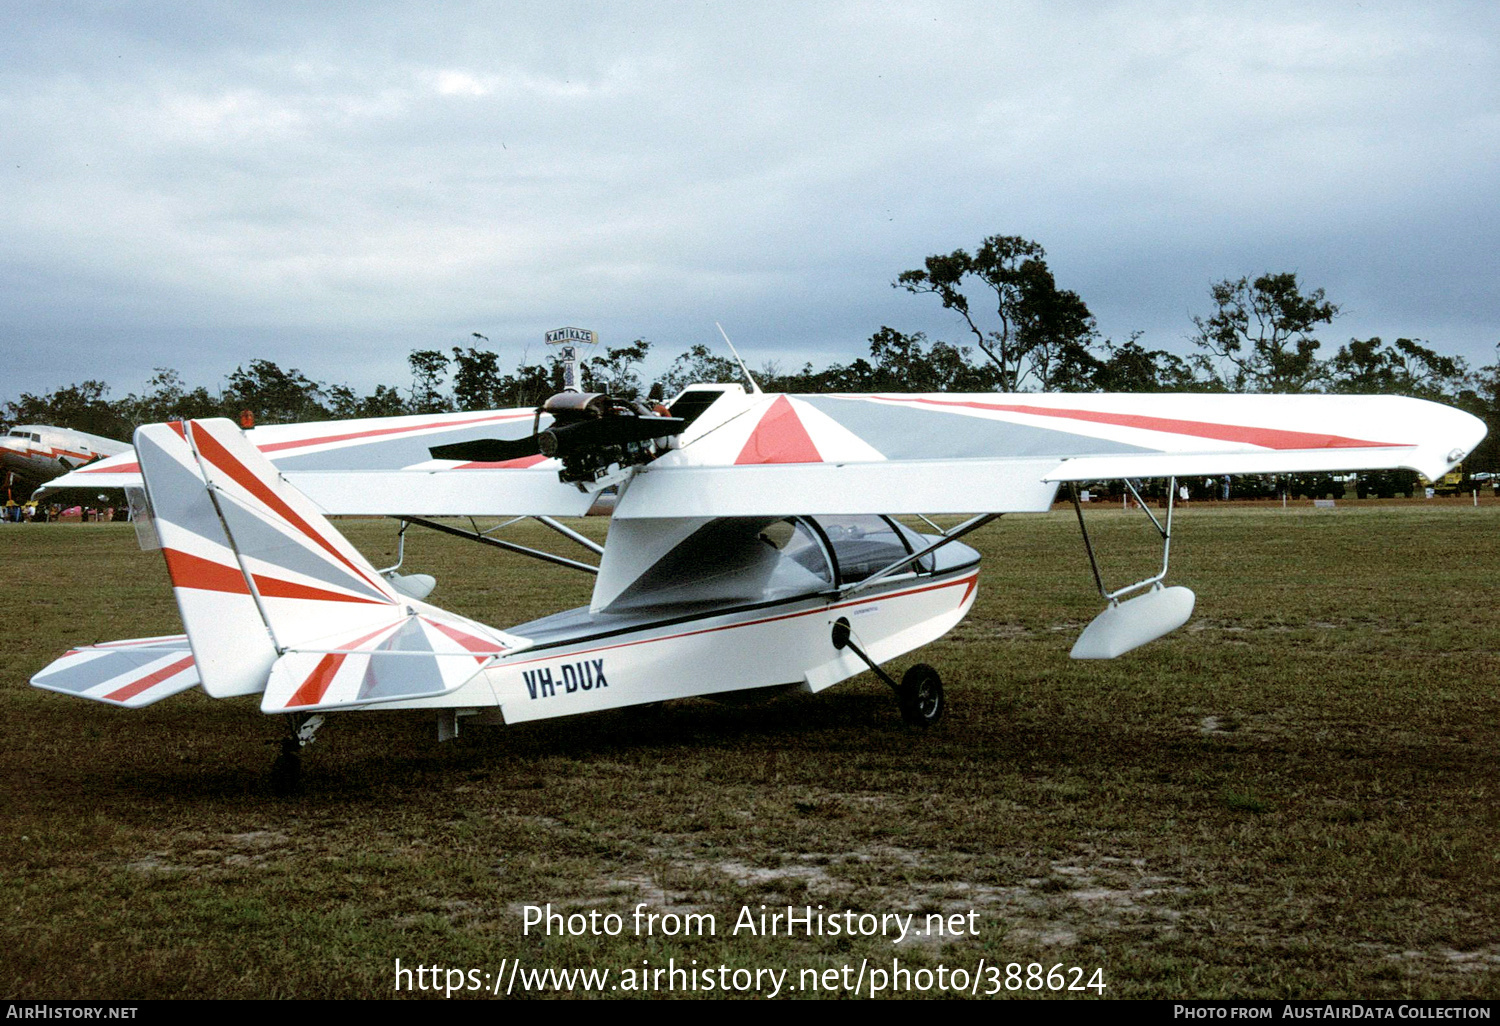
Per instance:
x=487, y=450
x=561, y=439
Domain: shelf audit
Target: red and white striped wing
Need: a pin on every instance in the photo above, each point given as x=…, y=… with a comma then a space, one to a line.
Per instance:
x=132, y=673
x=991, y=452
x=382, y=465
x=893, y=453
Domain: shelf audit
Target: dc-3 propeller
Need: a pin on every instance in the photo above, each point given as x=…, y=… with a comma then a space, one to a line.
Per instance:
x=588, y=433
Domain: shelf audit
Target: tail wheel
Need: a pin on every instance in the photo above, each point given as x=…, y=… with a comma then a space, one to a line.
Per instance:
x=921, y=696
x=286, y=771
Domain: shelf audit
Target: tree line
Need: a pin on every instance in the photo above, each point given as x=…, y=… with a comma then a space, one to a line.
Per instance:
x=1017, y=330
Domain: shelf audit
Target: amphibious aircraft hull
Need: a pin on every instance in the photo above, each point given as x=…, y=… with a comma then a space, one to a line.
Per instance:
x=579, y=663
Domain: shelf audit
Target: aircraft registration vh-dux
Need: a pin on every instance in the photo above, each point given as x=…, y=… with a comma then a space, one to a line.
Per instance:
x=753, y=544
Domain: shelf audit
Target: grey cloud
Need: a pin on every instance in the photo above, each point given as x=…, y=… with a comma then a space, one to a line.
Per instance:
x=198, y=185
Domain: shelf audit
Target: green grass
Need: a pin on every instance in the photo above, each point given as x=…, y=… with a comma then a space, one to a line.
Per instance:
x=1293, y=796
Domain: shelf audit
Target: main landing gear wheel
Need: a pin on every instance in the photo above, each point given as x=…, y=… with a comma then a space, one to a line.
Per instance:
x=921, y=696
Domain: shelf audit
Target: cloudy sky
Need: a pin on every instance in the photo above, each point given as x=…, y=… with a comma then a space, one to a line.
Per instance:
x=332, y=185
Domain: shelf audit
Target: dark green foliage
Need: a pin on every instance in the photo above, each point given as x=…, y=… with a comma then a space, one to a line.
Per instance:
x=427, y=369
x=82, y=407
x=1043, y=334
x=1403, y=367
x=167, y=397
x=617, y=372
x=1131, y=367
x=700, y=365
x=1259, y=337
x=275, y=396
x=477, y=381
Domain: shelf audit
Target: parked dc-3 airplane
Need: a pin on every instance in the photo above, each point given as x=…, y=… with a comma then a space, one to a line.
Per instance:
x=37, y=453
x=752, y=546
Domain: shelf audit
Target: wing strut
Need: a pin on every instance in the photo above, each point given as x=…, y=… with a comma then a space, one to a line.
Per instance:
x=485, y=539
x=1145, y=617
x=1165, y=530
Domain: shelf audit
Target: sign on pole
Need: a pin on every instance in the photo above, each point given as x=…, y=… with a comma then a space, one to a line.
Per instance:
x=583, y=335
x=570, y=339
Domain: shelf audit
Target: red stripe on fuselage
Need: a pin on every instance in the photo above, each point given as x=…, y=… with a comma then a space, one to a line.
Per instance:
x=1266, y=438
x=562, y=652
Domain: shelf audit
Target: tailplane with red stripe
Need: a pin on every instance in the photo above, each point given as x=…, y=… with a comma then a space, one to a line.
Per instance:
x=275, y=600
x=131, y=673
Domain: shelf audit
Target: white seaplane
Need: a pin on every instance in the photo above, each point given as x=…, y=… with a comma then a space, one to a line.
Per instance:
x=753, y=544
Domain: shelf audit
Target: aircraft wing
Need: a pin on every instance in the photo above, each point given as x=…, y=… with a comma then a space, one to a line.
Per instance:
x=992, y=452
x=764, y=454
x=381, y=465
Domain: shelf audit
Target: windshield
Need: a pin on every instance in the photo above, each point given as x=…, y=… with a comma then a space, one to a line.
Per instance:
x=863, y=545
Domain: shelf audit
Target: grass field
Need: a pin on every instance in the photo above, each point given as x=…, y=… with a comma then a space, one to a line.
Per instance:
x=1293, y=796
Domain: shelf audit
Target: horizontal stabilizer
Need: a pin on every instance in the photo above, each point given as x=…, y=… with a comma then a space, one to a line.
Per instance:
x=422, y=655
x=131, y=673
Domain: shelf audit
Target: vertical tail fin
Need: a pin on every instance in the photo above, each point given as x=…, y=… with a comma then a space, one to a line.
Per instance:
x=232, y=646
x=269, y=590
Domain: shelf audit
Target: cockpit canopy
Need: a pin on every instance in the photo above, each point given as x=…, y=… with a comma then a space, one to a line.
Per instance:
x=760, y=559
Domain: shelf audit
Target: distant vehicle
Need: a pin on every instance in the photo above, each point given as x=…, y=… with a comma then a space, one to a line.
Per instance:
x=1455, y=482
x=33, y=454
x=1315, y=486
x=1386, y=484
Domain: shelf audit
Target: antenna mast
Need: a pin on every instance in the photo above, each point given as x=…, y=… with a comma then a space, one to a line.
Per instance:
x=754, y=387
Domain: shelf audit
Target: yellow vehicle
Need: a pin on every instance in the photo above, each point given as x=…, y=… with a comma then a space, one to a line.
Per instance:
x=1455, y=482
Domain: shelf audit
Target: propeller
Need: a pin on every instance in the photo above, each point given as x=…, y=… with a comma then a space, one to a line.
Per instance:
x=581, y=424
x=487, y=450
